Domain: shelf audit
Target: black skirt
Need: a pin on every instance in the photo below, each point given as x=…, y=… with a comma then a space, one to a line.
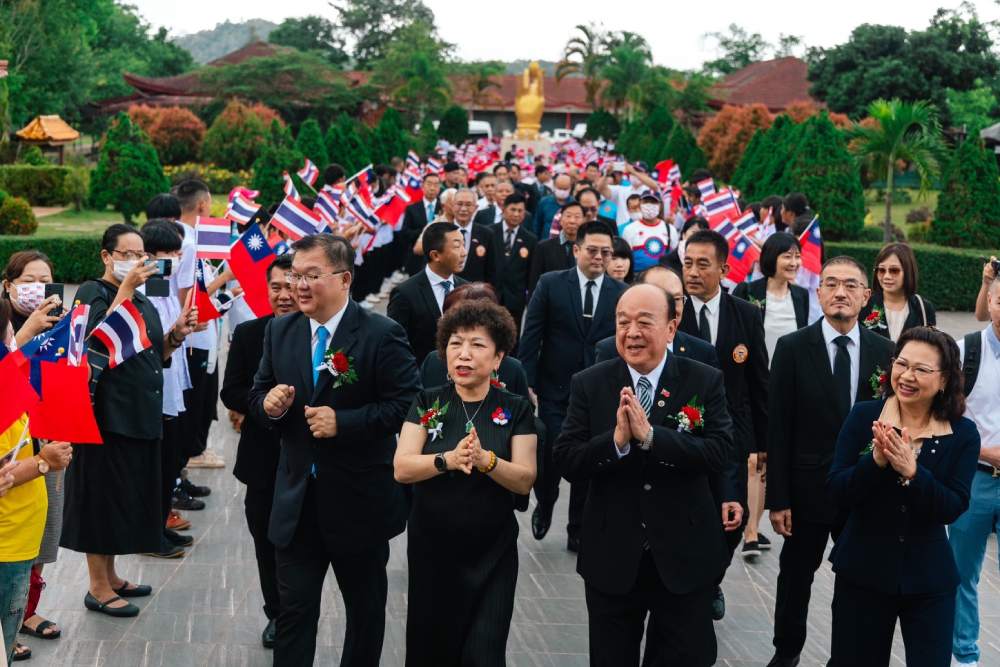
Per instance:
x=113, y=503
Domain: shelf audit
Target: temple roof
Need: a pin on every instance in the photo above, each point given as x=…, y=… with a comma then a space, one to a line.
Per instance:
x=48, y=129
x=773, y=83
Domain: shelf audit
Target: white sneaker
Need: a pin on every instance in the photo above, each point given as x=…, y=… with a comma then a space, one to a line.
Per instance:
x=956, y=663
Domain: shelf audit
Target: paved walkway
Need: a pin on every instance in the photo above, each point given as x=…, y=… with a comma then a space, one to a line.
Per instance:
x=206, y=609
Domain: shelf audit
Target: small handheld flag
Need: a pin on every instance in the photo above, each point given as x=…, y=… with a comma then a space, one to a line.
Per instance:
x=241, y=209
x=308, y=173
x=249, y=258
x=706, y=187
x=812, y=248
x=289, y=187
x=123, y=333
x=294, y=219
x=78, y=318
x=213, y=236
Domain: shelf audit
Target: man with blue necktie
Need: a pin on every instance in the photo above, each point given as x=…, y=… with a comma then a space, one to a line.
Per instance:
x=416, y=217
x=336, y=382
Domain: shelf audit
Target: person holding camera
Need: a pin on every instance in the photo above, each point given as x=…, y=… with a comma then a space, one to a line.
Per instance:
x=991, y=270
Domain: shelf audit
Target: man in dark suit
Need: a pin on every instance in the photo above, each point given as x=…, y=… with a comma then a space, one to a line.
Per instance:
x=648, y=431
x=517, y=245
x=257, y=454
x=417, y=216
x=568, y=313
x=735, y=328
x=683, y=345
x=817, y=374
x=417, y=302
x=493, y=213
x=336, y=382
x=481, y=263
x=556, y=253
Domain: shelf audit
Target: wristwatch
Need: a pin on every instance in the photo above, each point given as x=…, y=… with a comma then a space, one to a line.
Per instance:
x=43, y=466
x=647, y=442
x=440, y=463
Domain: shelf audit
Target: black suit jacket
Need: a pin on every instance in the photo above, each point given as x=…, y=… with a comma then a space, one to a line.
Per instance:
x=259, y=448
x=758, y=290
x=486, y=217
x=894, y=541
x=513, y=268
x=555, y=342
x=684, y=346
x=742, y=354
x=412, y=304
x=481, y=264
x=915, y=318
x=550, y=255
x=804, y=422
x=662, y=496
x=414, y=221
x=360, y=506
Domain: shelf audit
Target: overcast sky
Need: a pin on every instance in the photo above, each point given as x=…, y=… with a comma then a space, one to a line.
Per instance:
x=538, y=29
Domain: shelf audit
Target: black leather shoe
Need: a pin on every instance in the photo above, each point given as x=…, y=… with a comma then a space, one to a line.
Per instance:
x=193, y=489
x=176, y=539
x=540, y=522
x=573, y=544
x=270, y=633
x=778, y=661
x=718, y=605
x=183, y=501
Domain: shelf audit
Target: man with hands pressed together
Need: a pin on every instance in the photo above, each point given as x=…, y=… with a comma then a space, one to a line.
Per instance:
x=336, y=382
x=648, y=431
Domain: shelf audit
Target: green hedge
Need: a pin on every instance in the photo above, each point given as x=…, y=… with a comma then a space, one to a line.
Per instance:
x=949, y=277
x=76, y=258
x=50, y=185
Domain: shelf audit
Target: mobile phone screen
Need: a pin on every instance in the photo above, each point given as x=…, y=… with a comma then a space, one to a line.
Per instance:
x=58, y=289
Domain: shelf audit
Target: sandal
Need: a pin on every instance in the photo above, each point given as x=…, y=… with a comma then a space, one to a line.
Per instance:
x=40, y=630
x=21, y=652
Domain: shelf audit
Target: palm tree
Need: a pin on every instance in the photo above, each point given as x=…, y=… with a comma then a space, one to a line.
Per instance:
x=904, y=132
x=584, y=55
x=422, y=86
x=627, y=63
x=478, y=77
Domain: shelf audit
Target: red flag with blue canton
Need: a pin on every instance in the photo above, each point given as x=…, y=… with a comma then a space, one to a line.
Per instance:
x=742, y=255
x=249, y=258
x=65, y=411
x=201, y=299
x=19, y=394
x=812, y=248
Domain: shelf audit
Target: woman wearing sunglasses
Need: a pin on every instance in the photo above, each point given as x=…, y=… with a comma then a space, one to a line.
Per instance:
x=895, y=306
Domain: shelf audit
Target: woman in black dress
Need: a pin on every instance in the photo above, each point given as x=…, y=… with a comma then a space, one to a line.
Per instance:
x=468, y=448
x=113, y=490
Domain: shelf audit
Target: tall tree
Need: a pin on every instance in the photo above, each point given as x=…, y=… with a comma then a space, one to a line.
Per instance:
x=373, y=24
x=311, y=33
x=628, y=61
x=479, y=79
x=278, y=156
x=739, y=48
x=128, y=172
x=905, y=132
x=968, y=209
x=412, y=71
x=585, y=55
x=309, y=142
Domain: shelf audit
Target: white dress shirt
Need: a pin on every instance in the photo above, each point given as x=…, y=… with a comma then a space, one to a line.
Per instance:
x=853, y=350
x=437, y=288
x=506, y=229
x=713, y=313
x=330, y=325
x=654, y=381
x=467, y=233
x=598, y=281
x=779, y=320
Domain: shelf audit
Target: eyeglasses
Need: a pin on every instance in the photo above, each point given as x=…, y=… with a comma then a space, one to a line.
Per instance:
x=589, y=209
x=888, y=270
x=128, y=254
x=309, y=278
x=594, y=251
x=850, y=285
x=463, y=204
x=922, y=372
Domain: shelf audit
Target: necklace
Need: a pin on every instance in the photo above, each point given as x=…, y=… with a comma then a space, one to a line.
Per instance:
x=468, y=419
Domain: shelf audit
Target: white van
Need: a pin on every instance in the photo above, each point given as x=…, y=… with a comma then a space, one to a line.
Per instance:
x=478, y=129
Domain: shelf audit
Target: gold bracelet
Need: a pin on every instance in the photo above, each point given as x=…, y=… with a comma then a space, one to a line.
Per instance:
x=491, y=465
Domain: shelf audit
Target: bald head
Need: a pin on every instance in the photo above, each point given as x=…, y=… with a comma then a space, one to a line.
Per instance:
x=645, y=324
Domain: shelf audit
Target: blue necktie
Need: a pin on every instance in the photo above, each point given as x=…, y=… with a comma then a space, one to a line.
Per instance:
x=430, y=212
x=322, y=337
x=644, y=392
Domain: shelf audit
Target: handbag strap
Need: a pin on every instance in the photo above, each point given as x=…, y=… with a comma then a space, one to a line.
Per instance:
x=923, y=309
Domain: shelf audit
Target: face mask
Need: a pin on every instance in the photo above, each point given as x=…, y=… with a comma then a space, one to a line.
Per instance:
x=28, y=297
x=635, y=215
x=122, y=267
x=649, y=211
x=561, y=194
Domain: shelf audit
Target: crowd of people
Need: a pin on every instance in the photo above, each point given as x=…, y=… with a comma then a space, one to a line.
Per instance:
x=545, y=322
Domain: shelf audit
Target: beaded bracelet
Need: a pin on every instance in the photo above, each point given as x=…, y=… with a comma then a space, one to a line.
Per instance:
x=491, y=465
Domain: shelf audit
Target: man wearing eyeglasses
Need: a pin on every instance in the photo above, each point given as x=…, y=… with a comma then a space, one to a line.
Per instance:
x=817, y=374
x=569, y=312
x=335, y=381
x=481, y=260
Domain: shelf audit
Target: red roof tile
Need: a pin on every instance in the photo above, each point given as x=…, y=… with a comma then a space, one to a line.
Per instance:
x=774, y=83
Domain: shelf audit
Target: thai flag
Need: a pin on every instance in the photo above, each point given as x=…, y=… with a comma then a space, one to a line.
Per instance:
x=362, y=182
x=214, y=236
x=249, y=259
x=433, y=166
x=412, y=160
x=748, y=224
x=308, y=173
x=241, y=191
x=78, y=318
x=123, y=333
x=719, y=206
x=289, y=187
x=674, y=175
x=812, y=247
x=742, y=256
x=726, y=228
x=328, y=204
x=707, y=187
x=241, y=209
x=293, y=218
x=661, y=171
x=364, y=214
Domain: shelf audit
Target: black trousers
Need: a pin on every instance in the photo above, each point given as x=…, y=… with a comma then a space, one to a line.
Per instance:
x=172, y=459
x=681, y=632
x=865, y=620
x=801, y=556
x=361, y=576
x=546, y=486
x=257, y=505
x=196, y=402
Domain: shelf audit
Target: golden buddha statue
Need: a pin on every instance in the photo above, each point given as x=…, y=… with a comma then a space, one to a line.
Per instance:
x=529, y=103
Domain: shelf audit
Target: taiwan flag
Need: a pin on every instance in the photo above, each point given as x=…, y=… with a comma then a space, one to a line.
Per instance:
x=19, y=395
x=201, y=299
x=249, y=259
x=742, y=255
x=812, y=248
x=65, y=411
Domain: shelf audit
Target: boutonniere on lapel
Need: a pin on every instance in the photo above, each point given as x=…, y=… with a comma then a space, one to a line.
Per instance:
x=431, y=418
x=874, y=319
x=877, y=381
x=760, y=303
x=340, y=366
x=691, y=417
x=501, y=417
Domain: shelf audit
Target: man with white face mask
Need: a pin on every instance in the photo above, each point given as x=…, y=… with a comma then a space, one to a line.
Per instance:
x=562, y=186
x=650, y=238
